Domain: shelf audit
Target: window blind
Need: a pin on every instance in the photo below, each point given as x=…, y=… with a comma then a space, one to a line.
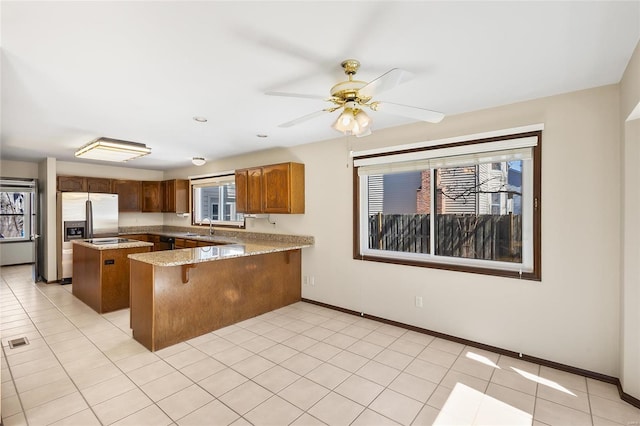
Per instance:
x=201, y=182
x=457, y=156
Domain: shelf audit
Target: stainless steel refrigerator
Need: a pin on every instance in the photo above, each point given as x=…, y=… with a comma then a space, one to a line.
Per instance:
x=82, y=215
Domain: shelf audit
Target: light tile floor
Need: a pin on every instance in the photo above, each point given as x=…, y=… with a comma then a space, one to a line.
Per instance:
x=299, y=365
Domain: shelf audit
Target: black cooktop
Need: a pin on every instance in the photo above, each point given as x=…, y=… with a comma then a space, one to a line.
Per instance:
x=100, y=241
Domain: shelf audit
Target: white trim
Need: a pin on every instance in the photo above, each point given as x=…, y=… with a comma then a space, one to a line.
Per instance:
x=456, y=139
x=212, y=180
x=447, y=260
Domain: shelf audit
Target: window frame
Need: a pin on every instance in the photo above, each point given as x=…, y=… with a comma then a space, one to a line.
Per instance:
x=198, y=181
x=479, y=266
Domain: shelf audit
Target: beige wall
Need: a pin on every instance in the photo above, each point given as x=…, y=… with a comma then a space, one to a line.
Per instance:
x=18, y=169
x=114, y=172
x=630, y=300
x=571, y=316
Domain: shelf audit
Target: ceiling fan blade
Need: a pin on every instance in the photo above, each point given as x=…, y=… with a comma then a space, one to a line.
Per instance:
x=386, y=81
x=410, y=111
x=295, y=95
x=304, y=118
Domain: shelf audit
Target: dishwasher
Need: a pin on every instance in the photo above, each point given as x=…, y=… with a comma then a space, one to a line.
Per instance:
x=165, y=243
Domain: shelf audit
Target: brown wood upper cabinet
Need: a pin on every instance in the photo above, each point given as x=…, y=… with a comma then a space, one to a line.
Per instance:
x=169, y=196
x=99, y=185
x=129, y=195
x=83, y=184
x=276, y=188
x=175, y=196
x=151, y=196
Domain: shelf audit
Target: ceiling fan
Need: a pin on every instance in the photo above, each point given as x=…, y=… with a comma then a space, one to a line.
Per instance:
x=352, y=96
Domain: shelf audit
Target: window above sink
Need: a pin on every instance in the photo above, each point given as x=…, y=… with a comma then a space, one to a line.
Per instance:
x=214, y=202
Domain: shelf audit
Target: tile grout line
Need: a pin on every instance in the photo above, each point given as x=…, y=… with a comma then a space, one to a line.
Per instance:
x=24, y=414
x=24, y=299
x=56, y=357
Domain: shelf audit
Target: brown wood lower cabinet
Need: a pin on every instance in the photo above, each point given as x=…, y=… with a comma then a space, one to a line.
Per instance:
x=101, y=277
x=166, y=310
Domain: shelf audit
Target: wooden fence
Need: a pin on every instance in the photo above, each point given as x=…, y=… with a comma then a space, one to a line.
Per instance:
x=489, y=237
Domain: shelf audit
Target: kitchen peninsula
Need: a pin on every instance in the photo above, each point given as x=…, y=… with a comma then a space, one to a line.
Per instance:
x=180, y=294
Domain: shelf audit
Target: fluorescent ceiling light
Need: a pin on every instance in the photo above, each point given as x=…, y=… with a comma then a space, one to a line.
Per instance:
x=106, y=149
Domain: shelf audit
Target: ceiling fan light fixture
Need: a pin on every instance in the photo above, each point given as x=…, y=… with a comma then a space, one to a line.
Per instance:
x=344, y=122
x=353, y=122
x=362, y=119
x=198, y=161
x=351, y=96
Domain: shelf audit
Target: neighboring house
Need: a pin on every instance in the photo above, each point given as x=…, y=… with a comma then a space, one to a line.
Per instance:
x=491, y=188
x=219, y=201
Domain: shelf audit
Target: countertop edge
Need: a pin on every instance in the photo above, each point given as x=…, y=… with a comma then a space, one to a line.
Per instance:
x=115, y=246
x=194, y=255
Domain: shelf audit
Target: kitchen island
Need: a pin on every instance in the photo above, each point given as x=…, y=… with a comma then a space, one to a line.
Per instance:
x=180, y=294
x=101, y=271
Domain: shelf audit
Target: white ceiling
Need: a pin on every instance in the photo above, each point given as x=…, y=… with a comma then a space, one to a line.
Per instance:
x=139, y=71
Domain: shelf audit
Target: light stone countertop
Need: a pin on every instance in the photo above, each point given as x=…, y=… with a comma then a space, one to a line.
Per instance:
x=188, y=256
x=116, y=245
x=225, y=236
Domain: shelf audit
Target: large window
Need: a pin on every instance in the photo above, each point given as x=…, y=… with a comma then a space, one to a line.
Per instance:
x=214, y=201
x=469, y=206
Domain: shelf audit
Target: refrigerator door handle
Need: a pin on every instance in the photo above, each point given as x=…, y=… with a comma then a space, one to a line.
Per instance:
x=89, y=216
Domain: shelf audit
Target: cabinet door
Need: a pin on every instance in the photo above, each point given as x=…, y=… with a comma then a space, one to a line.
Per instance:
x=175, y=196
x=181, y=196
x=168, y=189
x=254, y=190
x=138, y=237
x=72, y=184
x=155, y=239
x=276, y=188
x=180, y=243
x=241, y=191
x=129, y=194
x=151, y=197
x=98, y=185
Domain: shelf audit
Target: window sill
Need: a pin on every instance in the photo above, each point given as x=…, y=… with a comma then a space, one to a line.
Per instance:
x=236, y=225
x=532, y=276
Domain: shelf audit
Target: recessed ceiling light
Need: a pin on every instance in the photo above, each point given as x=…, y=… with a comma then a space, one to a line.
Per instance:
x=262, y=135
x=200, y=119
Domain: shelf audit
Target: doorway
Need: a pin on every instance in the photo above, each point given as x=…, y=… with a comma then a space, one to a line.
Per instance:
x=19, y=236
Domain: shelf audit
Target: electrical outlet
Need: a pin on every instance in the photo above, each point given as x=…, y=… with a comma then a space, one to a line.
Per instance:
x=418, y=301
x=312, y=280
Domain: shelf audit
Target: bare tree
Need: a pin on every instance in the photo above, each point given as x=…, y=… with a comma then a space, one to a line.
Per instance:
x=12, y=210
